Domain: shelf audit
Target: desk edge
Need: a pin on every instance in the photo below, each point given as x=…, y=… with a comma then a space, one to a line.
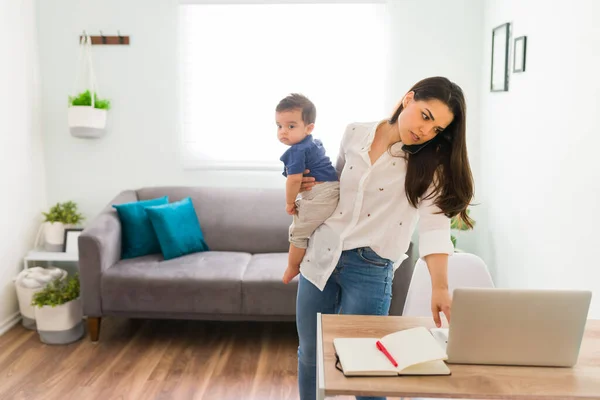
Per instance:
x=320, y=358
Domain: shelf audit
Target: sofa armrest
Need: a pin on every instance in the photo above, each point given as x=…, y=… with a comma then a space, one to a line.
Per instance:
x=99, y=248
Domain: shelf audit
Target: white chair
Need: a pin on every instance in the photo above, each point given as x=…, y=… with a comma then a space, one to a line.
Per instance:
x=464, y=270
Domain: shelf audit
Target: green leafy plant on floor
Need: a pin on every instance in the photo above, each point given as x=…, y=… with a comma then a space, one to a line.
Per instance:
x=85, y=99
x=57, y=292
x=458, y=224
x=64, y=212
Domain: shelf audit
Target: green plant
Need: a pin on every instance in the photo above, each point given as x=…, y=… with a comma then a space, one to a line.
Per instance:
x=458, y=224
x=65, y=213
x=57, y=292
x=85, y=99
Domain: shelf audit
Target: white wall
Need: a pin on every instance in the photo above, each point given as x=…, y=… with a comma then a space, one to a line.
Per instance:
x=441, y=37
x=21, y=162
x=142, y=145
x=539, y=149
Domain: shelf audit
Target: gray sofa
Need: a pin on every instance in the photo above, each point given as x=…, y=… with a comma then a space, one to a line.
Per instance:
x=238, y=279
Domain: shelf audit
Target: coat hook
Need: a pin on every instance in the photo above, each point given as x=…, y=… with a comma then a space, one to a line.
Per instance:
x=120, y=37
x=103, y=38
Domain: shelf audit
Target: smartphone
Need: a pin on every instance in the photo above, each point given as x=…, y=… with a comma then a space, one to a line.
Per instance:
x=414, y=148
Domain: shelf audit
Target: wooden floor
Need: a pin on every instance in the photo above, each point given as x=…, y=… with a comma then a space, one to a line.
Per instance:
x=151, y=359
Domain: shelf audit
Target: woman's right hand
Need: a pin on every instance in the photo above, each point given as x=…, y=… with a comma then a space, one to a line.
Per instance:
x=307, y=182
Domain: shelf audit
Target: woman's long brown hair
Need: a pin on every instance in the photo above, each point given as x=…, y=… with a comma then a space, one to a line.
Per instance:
x=443, y=160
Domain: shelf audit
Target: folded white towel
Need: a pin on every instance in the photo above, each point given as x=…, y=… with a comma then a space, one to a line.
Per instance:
x=38, y=277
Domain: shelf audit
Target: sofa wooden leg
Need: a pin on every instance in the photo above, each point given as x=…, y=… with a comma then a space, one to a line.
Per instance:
x=93, y=324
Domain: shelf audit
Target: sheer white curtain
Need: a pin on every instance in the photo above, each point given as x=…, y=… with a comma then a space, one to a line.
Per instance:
x=238, y=60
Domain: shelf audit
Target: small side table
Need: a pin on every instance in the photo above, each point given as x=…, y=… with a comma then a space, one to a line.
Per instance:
x=49, y=256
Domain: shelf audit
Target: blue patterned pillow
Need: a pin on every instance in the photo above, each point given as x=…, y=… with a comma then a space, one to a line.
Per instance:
x=138, y=237
x=177, y=228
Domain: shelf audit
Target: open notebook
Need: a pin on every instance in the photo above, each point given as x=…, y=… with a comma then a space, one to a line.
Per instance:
x=415, y=351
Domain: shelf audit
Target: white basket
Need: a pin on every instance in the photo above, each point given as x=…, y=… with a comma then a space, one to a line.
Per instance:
x=29, y=282
x=60, y=324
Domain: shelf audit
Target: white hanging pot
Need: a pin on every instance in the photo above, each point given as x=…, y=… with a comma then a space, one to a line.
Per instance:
x=87, y=121
x=54, y=236
x=60, y=324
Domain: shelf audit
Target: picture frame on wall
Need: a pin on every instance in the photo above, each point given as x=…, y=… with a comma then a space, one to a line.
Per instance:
x=500, y=44
x=520, y=52
x=71, y=240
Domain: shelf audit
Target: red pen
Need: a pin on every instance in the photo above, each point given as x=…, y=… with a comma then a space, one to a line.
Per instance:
x=382, y=348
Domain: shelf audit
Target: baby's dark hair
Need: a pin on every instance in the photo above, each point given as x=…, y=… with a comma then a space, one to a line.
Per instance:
x=297, y=101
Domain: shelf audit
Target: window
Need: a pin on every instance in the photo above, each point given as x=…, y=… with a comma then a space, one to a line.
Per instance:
x=238, y=60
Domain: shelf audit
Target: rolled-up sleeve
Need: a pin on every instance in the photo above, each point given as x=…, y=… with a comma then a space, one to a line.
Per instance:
x=434, y=230
x=294, y=160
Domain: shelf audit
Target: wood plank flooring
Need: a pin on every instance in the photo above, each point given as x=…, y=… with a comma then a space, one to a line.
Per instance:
x=155, y=359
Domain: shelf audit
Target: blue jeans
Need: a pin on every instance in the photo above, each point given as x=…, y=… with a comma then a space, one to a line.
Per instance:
x=360, y=284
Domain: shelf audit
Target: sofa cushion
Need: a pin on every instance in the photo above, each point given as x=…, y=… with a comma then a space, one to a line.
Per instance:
x=250, y=220
x=208, y=282
x=177, y=228
x=263, y=292
x=138, y=238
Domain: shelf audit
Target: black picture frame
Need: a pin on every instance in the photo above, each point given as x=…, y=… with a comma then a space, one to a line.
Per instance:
x=519, y=54
x=499, y=70
x=66, y=240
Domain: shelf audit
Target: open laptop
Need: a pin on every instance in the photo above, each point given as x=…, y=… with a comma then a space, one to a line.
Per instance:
x=515, y=326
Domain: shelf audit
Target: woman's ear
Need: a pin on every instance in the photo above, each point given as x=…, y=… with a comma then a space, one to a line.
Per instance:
x=408, y=98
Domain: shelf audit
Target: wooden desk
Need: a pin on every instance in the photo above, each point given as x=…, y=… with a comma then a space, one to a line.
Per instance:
x=467, y=381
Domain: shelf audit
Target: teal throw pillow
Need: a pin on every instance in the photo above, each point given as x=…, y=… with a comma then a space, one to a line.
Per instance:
x=177, y=228
x=138, y=237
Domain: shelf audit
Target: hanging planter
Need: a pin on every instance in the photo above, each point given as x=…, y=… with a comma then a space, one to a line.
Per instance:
x=87, y=114
x=59, y=312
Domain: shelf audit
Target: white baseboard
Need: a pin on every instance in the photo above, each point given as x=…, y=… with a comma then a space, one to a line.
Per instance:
x=9, y=322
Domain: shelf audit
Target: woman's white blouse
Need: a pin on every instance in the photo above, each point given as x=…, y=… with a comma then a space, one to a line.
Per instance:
x=373, y=210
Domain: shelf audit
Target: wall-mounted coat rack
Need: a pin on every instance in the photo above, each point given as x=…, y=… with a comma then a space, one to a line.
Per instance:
x=107, y=39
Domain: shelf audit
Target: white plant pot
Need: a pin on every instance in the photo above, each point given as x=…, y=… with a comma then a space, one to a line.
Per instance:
x=60, y=324
x=87, y=121
x=29, y=282
x=54, y=235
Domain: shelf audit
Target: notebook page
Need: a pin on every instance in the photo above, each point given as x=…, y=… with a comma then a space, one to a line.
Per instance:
x=437, y=367
x=360, y=356
x=413, y=346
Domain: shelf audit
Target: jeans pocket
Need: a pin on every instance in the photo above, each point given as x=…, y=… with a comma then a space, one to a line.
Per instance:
x=369, y=256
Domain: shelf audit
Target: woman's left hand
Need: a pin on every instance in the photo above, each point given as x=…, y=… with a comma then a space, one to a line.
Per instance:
x=307, y=182
x=440, y=302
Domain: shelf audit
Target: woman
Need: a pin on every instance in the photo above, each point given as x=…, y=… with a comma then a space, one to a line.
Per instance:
x=411, y=170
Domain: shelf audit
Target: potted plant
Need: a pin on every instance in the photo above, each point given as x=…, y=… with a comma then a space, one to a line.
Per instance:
x=61, y=216
x=87, y=114
x=30, y=281
x=59, y=312
x=457, y=224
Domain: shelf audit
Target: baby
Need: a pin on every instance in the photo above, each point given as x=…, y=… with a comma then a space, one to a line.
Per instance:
x=295, y=117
